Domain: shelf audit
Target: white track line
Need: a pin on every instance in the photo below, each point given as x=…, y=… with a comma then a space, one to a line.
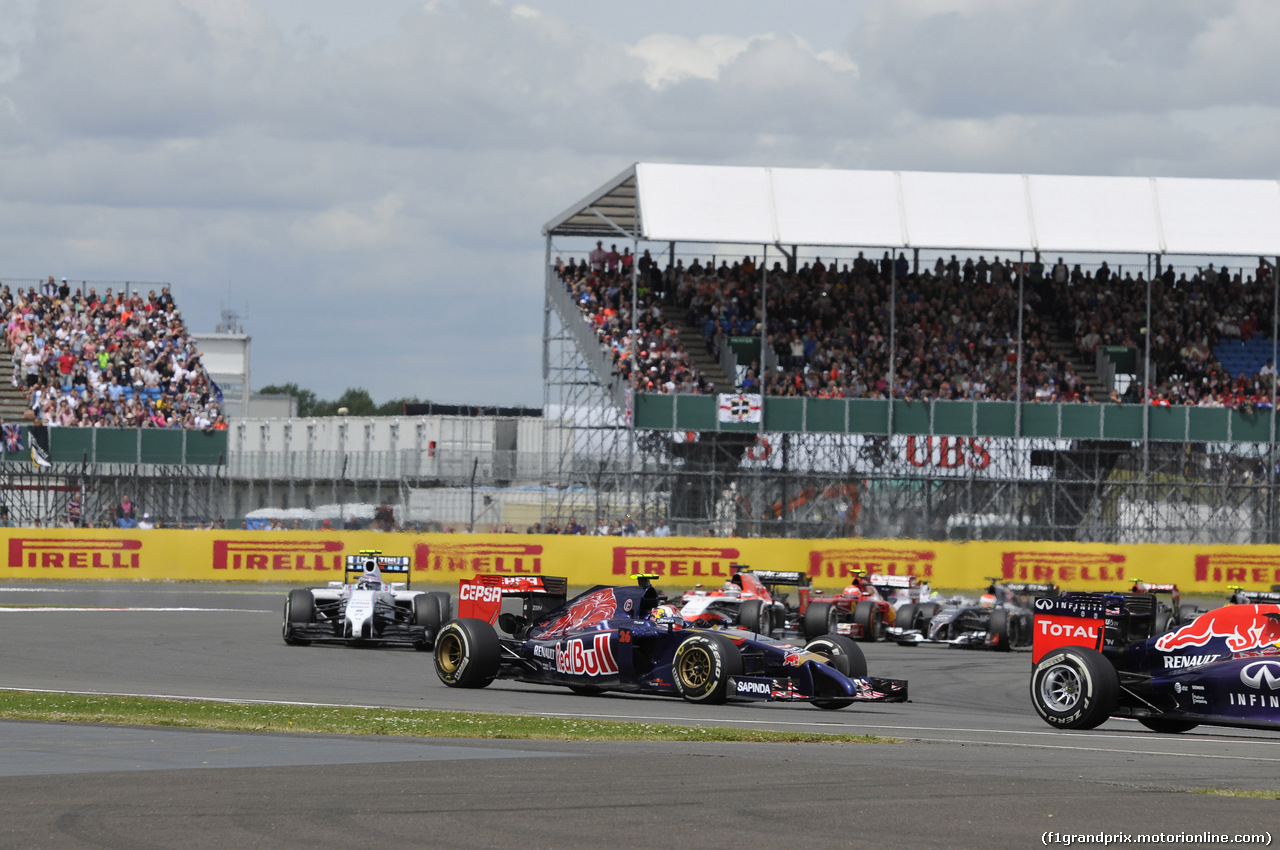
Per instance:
x=687, y=721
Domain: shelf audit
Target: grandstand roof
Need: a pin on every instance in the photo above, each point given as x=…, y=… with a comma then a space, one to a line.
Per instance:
x=935, y=210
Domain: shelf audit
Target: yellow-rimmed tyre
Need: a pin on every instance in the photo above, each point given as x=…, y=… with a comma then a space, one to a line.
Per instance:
x=467, y=653
x=702, y=667
x=299, y=609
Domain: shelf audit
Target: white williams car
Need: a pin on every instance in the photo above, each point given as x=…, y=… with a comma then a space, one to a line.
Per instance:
x=363, y=609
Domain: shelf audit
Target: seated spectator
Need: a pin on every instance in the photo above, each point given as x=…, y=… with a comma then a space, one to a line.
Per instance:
x=64, y=343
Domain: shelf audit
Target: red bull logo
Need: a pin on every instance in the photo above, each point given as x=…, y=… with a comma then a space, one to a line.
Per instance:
x=1244, y=628
x=278, y=556
x=1058, y=567
x=845, y=563
x=670, y=562
x=576, y=658
x=1230, y=568
x=53, y=553
x=498, y=558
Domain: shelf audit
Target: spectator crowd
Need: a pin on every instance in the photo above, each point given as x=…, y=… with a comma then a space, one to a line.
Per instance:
x=115, y=360
x=956, y=326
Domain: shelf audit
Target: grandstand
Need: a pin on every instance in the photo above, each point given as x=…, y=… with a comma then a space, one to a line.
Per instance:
x=783, y=352
x=109, y=372
x=896, y=360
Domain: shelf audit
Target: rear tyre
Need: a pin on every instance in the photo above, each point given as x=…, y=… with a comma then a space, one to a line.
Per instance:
x=1167, y=725
x=905, y=617
x=867, y=615
x=445, y=603
x=702, y=666
x=1074, y=688
x=998, y=630
x=467, y=653
x=819, y=619
x=1164, y=621
x=844, y=655
x=299, y=609
x=755, y=616
x=426, y=613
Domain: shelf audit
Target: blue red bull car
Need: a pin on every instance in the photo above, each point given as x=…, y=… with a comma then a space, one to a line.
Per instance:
x=627, y=639
x=1100, y=655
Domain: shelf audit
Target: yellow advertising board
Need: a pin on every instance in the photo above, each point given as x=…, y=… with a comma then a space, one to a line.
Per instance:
x=312, y=557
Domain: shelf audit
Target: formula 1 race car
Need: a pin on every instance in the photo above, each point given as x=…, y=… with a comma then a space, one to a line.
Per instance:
x=624, y=639
x=363, y=609
x=1000, y=619
x=862, y=610
x=752, y=599
x=1099, y=655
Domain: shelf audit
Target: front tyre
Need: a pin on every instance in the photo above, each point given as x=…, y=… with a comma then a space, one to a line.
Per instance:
x=299, y=609
x=846, y=656
x=702, y=667
x=842, y=653
x=467, y=653
x=1074, y=688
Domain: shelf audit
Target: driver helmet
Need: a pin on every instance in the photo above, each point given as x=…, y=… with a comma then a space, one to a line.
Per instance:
x=732, y=588
x=988, y=600
x=368, y=583
x=852, y=590
x=666, y=615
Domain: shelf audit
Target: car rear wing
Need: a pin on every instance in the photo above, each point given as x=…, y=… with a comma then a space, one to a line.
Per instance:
x=393, y=568
x=1033, y=589
x=481, y=596
x=1240, y=596
x=1073, y=620
x=1101, y=621
x=771, y=578
x=1140, y=586
x=883, y=580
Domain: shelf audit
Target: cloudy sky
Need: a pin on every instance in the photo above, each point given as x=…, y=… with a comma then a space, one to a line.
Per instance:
x=365, y=183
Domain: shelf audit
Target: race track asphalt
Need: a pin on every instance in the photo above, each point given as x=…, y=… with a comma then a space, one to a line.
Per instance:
x=975, y=767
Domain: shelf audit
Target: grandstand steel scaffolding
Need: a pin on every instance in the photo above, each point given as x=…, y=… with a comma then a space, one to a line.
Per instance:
x=716, y=483
x=86, y=494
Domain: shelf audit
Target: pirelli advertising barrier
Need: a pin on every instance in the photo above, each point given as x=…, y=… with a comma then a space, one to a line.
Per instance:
x=316, y=557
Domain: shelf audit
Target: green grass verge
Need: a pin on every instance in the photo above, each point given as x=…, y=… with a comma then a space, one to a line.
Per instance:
x=1238, y=792
x=251, y=717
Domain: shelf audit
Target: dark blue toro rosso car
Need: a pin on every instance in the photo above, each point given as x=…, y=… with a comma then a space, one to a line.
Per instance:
x=627, y=639
x=1100, y=655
